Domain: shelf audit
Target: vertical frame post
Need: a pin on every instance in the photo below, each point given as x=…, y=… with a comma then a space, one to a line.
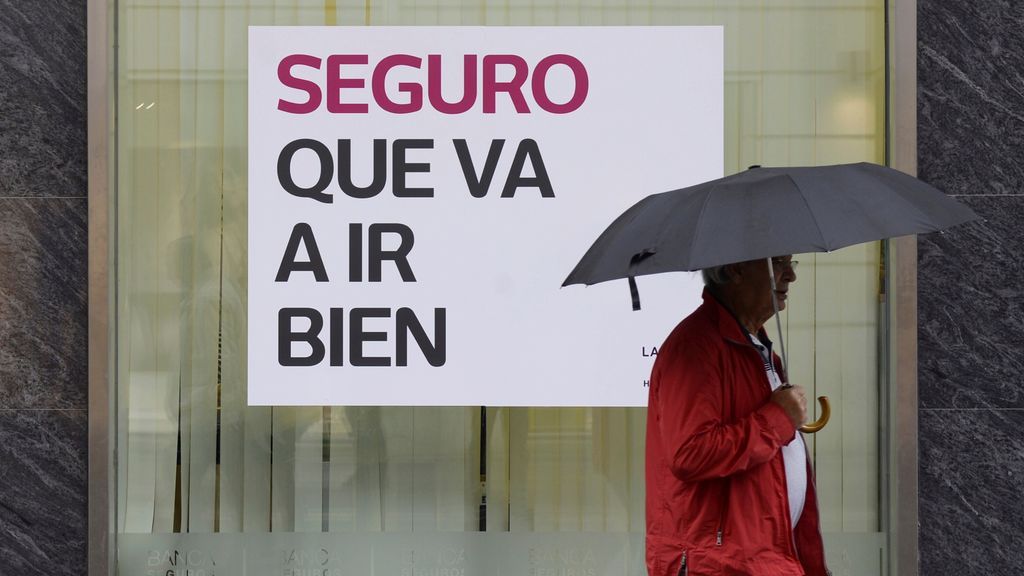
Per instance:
x=100, y=107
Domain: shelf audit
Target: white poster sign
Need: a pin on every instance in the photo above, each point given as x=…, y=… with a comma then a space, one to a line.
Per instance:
x=418, y=195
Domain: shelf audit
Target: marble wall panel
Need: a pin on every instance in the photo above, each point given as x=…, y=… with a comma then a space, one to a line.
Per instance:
x=43, y=303
x=971, y=482
x=43, y=507
x=971, y=96
x=971, y=310
x=42, y=98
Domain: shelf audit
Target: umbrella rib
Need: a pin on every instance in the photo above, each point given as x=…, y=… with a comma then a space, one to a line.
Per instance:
x=814, y=217
x=922, y=216
x=696, y=226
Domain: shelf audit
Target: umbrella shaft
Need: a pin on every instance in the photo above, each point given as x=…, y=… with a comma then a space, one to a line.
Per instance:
x=778, y=322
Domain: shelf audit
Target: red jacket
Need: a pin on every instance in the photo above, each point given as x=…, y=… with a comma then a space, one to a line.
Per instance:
x=716, y=482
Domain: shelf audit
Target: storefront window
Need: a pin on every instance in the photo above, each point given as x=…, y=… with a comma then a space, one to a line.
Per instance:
x=209, y=485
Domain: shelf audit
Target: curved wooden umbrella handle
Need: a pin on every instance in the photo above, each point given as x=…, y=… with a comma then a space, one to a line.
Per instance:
x=826, y=412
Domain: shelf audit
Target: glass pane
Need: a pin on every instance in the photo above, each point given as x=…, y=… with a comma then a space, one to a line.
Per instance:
x=204, y=479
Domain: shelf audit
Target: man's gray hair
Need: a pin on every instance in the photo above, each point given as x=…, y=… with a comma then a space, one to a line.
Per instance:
x=715, y=276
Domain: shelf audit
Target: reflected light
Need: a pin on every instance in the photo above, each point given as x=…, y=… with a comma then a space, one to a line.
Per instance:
x=854, y=114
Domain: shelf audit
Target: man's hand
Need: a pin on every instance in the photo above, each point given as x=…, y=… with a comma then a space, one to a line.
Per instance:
x=794, y=402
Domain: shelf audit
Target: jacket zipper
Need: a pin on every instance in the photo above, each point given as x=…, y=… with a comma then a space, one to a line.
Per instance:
x=683, y=570
x=724, y=505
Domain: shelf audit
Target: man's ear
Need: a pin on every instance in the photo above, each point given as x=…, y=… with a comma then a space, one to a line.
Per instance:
x=733, y=273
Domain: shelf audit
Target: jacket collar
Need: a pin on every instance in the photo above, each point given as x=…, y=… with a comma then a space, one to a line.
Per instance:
x=730, y=329
x=729, y=326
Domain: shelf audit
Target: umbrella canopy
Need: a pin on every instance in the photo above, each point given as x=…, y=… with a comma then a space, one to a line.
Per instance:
x=765, y=212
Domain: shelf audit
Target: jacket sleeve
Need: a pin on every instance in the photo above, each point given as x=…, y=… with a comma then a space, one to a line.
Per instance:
x=697, y=442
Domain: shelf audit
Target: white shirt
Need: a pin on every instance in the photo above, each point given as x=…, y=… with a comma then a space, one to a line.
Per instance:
x=794, y=454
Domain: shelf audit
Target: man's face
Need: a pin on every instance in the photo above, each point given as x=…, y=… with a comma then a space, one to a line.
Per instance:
x=756, y=286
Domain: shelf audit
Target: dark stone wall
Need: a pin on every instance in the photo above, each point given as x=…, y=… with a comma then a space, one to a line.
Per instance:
x=971, y=289
x=43, y=287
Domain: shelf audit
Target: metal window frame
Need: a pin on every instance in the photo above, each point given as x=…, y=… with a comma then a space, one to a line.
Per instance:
x=902, y=279
x=101, y=100
x=101, y=106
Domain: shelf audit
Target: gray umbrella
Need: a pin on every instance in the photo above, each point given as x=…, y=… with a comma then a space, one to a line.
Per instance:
x=765, y=212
